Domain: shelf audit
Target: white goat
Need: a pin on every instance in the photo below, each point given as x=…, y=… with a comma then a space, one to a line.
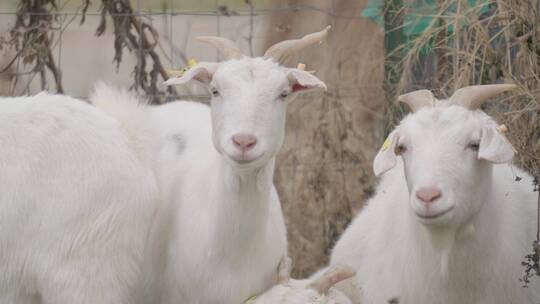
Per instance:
x=311, y=291
x=448, y=224
x=76, y=202
x=223, y=228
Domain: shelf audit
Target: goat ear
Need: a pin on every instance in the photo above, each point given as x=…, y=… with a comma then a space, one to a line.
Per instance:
x=386, y=158
x=203, y=72
x=494, y=146
x=302, y=81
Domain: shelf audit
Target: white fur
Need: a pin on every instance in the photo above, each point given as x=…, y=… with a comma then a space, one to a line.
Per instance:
x=76, y=204
x=471, y=254
x=298, y=292
x=222, y=233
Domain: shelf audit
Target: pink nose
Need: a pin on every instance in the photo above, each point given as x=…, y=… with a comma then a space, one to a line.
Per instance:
x=244, y=142
x=428, y=194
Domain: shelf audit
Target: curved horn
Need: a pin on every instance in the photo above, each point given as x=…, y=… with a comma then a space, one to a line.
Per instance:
x=284, y=271
x=332, y=276
x=417, y=99
x=473, y=97
x=225, y=46
x=281, y=50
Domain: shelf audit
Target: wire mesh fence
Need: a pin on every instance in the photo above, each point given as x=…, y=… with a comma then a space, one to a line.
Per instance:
x=150, y=32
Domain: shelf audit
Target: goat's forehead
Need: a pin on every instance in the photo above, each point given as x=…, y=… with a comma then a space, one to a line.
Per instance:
x=252, y=70
x=445, y=120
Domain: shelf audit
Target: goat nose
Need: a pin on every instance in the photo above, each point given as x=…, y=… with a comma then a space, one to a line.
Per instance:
x=244, y=142
x=428, y=194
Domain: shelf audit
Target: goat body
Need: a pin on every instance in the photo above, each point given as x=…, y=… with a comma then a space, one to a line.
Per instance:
x=223, y=228
x=76, y=204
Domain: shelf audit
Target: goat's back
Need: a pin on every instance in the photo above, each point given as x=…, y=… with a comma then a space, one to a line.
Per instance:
x=75, y=206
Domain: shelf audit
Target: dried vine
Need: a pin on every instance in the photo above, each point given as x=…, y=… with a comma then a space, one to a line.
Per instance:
x=139, y=37
x=32, y=37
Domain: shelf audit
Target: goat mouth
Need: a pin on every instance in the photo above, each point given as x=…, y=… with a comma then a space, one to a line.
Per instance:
x=435, y=215
x=244, y=160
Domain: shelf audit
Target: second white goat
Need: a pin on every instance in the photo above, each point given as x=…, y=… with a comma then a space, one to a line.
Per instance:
x=449, y=224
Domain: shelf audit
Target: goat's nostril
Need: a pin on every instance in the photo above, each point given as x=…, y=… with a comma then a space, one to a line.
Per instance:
x=244, y=142
x=428, y=194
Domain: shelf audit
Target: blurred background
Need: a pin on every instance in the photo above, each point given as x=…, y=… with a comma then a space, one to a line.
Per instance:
x=376, y=50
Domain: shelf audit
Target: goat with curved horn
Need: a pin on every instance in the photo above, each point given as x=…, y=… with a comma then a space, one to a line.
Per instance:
x=226, y=47
x=417, y=99
x=473, y=97
x=281, y=50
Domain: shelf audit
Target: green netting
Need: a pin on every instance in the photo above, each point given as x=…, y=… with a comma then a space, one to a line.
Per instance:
x=420, y=13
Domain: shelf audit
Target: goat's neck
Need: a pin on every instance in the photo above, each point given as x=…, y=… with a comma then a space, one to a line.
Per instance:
x=243, y=206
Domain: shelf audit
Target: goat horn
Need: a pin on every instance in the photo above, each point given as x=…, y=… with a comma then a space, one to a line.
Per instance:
x=284, y=271
x=473, y=97
x=226, y=47
x=331, y=277
x=281, y=50
x=417, y=99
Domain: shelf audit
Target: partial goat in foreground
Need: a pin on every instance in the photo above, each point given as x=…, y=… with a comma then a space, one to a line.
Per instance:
x=449, y=223
x=318, y=290
x=77, y=199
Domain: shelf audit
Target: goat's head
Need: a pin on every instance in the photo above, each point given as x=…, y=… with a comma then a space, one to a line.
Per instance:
x=250, y=96
x=316, y=291
x=447, y=148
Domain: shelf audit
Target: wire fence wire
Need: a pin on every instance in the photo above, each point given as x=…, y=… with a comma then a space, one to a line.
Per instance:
x=21, y=73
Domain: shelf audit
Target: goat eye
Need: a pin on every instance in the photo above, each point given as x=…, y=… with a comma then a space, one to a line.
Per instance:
x=284, y=95
x=215, y=92
x=474, y=146
x=400, y=149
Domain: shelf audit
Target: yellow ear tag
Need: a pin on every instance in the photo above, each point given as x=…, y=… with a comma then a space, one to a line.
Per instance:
x=178, y=73
x=385, y=144
x=191, y=63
